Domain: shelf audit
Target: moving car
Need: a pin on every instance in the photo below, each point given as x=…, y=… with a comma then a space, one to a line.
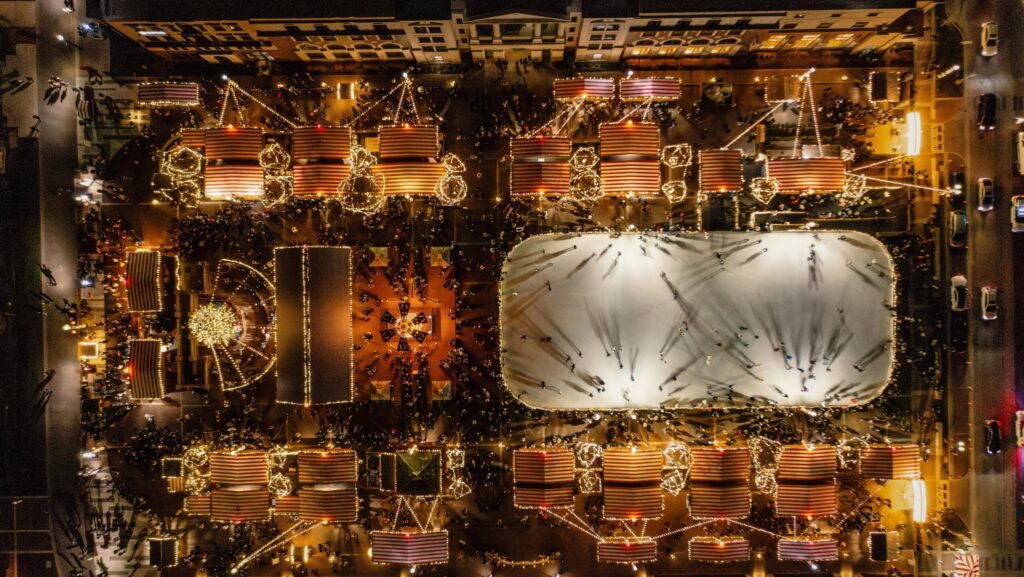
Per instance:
x=989, y=303
x=986, y=195
x=959, y=182
x=1017, y=213
x=993, y=437
x=989, y=39
x=956, y=228
x=958, y=296
x=987, y=112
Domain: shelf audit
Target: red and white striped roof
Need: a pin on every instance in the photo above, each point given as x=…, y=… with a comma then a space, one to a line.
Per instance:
x=548, y=466
x=145, y=369
x=244, y=468
x=720, y=464
x=321, y=142
x=169, y=94
x=542, y=148
x=142, y=281
x=234, y=180
x=233, y=143
x=400, y=548
x=329, y=504
x=409, y=141
x=720, y=170
x=637, y=89
x=622, y=550
x=591, y=88
x=543, y=497
x=808, y=549
x=719, y=549
x=632, y=465
x=719, y=502
x=799, y=463
x=319, y=179
x=891, y=462
x=197, y=505
x=287, y=505
x=240, y=504
x=630, y=139
x=807, y=501
x=806, y=174
x=629, y=502
x=540, y=165
x=414, y=178
x=327, y=466
x=637, y=177
x=193, y=137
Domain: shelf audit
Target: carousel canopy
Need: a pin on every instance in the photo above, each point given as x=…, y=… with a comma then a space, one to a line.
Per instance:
x=807, y=174
x=145, y=369
x=620, y=550
x=623, y=465
x=630, y=161
x=398, y=548
x=808, y=501
x=328, y=466
x=540, y=165
x=240, y=504
x=719, y=549
x=891, y=462
x=631, y=502
x=719, y=502
x=243, y=468
x=804, y=549
x=169, y=94
x=142, y=281
x=232, y=162
x=314, y=324
x=319, y=153
x=799, y=463
x=714, y=464
x=720, y=170
x=329, y=504
x=592, y=88
x=638, y=89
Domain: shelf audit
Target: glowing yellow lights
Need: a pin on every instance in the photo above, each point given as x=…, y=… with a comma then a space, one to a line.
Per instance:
x=919, y=510
x=763, y=188
x=362, y=191
x=213, y=325
x=451, y=188
x=584, y=183
x=180, y=175
x=274, y=158
x=913, y=133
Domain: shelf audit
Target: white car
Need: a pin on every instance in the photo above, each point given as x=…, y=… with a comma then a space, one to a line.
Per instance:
x=1017, y=213
x=986, y=195
x=958, y=297
x=989, y=303
x=989, y=39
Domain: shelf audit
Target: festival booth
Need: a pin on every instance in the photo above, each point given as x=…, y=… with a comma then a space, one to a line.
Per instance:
x=409, y=547
x=627, y=550
x=232, y=162
x=891, y=462
x=808, y=549
x=630, y=158
x=314, y=324
x=799, y=463
x=806, y=482
x=194, y=138
x=240, y=504
x=327, y=467
x=320, y=155
x=720, y=483
x=712, y=465
x=408, y=159
x=328, y=504
x=800, y=175
x=247, y=467
x=653, y=89
x=329, y=494
x=807, y=501
x=143, y=282
x=589, y=88
x=719, y=501
x=168, y=94
x=145, y=369
x=720, y=170
x=543, y=478
x=540, y=166
x=163, y=551
x=710, y=549
x=632, y=483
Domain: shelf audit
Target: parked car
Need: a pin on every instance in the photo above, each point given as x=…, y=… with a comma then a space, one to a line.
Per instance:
x=987, y=112
x=958, y=181
x=956, y=228
x=989, y=39
x=989, y=303
x=958, y=296
x=1017, y=213
x=993, y=437
x=1018, y=152
x=1019, y=428
x=986, y=195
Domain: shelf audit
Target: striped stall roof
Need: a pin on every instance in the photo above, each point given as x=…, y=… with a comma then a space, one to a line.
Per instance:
x=636, y=89
x=592, y=88
x=287, y=505
x=329, y=504
x=639, y=177
x=175, y=484
x=243, y=468
x=240, y=504
x=550, y=466
x=805, y=174
x=237, y=180
x=627, y=550
x=196, y=505
x=719, y=502
x=798, y=463
x=542, y=147
x=412, y=177
x=398, y=548
x=630, y=502
x=417, y=141
x=624, y=465
x=808, y=501
x=630, y=140
x=169, y=94
x=540, y=165
x=720, y=170
x=546, y=497
x=145, y=369
x=193, y=137
x=233, y=143
x=719, y=549
x=714, y=464
x=891, y=462
x=321, y=142
x=327, y=466
x=804, y=549
x=317, y=179
x=142, y=281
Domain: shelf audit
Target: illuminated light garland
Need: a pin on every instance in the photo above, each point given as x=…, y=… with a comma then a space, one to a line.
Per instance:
x=213, y=325
x=590, y=482
x=848, y=451
x=274, y=159
x=674, y=190
x=764, y=456
x=277, y=189
x=588, y=454
x=181, y=168
x=182, y=161
x=362, y=191
x=763, y=188
x=451, y=188
x=677, y=156
x=277, y=457
x=848, y=155
x=673, y=482
x=279, y=485
x=501, y=561
x=585, y=184
x=854, y=186
x=678, y=459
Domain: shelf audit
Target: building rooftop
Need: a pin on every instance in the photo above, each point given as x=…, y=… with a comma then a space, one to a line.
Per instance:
x=702, y=6
x=479, y=9
x=162, y=10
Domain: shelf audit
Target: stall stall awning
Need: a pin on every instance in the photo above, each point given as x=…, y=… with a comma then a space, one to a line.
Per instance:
x=145, y=369
x=247, y=467
x=628, y=502
x=591, y=88
x=891, y=462
x=169, y=94
x=714, y=464
x=540, y=165
x=240, y=504
x=549, y=466
x=807, y=501
x=798, y=463
x=719, y=549
x=327, y=466
x=807, y=174
x=719, y=502
x=622, y=550
x=398, y=548
x=329, y=504
x=808, y=549
x=720, y=170
x=142, y=281
x=628, y=465
x=657, y=89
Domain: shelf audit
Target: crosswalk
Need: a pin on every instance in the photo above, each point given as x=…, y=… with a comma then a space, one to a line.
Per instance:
x=134, y=562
